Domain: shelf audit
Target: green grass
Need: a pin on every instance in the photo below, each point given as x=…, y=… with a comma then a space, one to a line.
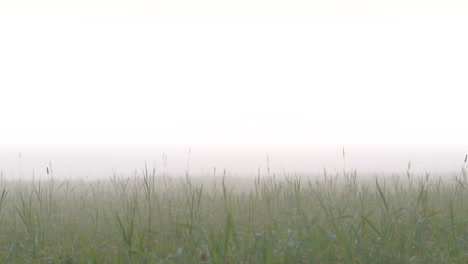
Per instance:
x=152, y=218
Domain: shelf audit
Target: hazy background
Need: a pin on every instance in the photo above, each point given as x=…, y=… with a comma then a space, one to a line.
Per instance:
x=104, y=161
x=102, y=86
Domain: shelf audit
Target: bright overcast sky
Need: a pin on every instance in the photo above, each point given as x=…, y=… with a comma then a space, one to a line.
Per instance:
x=233, y=72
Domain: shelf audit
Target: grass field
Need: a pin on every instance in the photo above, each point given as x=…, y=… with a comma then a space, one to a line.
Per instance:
x=154, y=218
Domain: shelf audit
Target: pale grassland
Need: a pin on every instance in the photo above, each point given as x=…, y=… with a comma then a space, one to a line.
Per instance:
x=152, y=218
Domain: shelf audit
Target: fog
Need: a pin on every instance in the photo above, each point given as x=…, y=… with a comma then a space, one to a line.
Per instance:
x=104, y=161
x=90, y=89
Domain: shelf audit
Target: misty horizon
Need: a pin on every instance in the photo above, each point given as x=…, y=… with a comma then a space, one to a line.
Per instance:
x=103, y=161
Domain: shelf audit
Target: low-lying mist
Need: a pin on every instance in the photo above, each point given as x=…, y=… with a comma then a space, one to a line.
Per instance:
x=104, y=161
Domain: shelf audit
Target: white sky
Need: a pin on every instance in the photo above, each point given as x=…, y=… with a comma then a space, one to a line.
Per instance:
x=230, y=72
